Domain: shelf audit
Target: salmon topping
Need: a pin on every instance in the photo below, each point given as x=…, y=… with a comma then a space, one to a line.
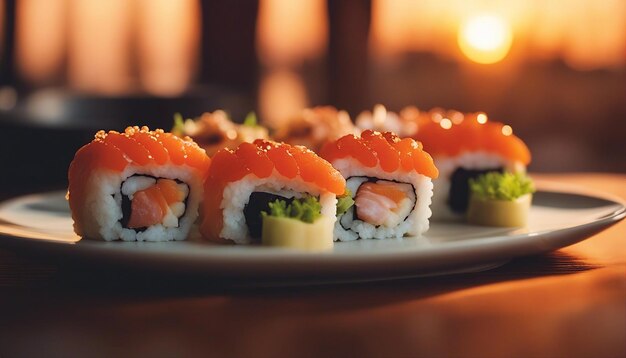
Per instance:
x=141, y=146
x=262, y=157
x=472, y=134
x=255, y=159
x=384, y=149
x=284, y=162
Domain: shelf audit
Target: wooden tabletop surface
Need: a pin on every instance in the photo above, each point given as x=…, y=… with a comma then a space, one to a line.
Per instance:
x=568, y=303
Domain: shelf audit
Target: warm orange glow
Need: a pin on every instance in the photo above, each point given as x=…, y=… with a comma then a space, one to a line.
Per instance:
x=406, y=25
x=436, y=117
x=586, y=34
x=168, y=43
x=457, y=117
x=485, y=38
x=379, y=115
x=99, y=46
x=291, y=31
x=41, y=41
x=282, y=94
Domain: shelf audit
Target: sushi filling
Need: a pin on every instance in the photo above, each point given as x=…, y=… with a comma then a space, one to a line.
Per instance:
x=379, y=202
x=149, y=201
x=458, y=198
x=259, y=201
x=292, y=205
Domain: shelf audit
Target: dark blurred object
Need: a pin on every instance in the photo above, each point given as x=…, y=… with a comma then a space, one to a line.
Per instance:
x=348, y=54
x=228, y=52
x=42, y=124
x=7, y=42
x=39, y=136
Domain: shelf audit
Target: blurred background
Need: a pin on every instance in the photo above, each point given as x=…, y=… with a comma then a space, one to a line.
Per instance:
x=554, y=70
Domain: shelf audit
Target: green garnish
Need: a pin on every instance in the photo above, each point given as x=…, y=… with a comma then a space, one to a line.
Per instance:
x=307, y=209
x=250, y=120
x=344, y=202
x=501, y=186
x=179, y=125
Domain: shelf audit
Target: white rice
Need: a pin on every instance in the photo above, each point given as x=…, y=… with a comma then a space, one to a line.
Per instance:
x=415, y=224
x=102, y=212
x=237, y=194
x=447, y=165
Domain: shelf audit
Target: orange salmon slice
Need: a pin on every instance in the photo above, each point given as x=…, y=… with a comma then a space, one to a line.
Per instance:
x=149, y=206
x=385, y=189
x=170, y=191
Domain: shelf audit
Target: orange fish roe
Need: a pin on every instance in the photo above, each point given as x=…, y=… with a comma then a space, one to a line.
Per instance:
x=473, y=133
x=384, y=149
x=260, y=159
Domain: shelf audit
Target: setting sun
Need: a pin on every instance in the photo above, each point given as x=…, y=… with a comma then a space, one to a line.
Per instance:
x=485, y=38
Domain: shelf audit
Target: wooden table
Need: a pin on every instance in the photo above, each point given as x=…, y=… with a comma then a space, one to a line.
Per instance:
x=569, y=303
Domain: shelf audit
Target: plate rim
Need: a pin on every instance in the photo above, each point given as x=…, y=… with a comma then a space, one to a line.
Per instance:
x=264, y=264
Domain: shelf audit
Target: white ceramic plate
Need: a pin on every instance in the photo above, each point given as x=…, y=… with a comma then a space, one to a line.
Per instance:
x=40, y=224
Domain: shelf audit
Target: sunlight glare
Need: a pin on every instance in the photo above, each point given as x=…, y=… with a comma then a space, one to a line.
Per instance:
x=485, y=38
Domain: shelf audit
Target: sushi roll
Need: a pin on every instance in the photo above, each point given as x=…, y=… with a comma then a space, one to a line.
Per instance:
x=139, y=185
x=245, y=184
x=390, y=182
x=382, y=120
x=313, y=127
x=215, y=130
x=465, y=147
